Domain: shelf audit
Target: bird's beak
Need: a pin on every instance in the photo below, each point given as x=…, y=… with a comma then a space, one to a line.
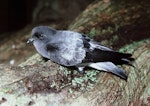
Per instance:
x=30, y=40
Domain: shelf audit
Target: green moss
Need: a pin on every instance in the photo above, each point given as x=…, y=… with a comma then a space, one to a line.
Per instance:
x=114, y=39
x=86, y=81
x=130, y=48
x=92, y=32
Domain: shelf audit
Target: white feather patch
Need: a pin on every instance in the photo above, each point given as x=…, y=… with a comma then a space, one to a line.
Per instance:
x=105, y=66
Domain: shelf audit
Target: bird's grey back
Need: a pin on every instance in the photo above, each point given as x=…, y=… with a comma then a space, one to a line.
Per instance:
x=70, y=45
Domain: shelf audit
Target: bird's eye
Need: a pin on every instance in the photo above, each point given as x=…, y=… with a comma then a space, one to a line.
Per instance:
x=38, y=35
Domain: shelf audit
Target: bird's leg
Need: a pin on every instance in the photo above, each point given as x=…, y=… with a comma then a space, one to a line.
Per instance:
x=81, y=70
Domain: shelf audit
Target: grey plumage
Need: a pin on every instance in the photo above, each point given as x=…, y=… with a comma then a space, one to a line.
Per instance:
x=70, y=48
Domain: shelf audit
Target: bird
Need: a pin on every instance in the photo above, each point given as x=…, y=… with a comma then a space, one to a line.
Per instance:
x=69, y=48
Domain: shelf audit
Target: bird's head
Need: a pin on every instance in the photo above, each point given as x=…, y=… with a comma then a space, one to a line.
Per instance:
x=41, y=34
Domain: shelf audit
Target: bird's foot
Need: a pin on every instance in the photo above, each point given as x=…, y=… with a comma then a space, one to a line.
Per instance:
x=81, y=70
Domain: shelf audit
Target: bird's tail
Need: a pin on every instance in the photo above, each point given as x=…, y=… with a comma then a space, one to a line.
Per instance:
x=109, y=67
x=125, y=58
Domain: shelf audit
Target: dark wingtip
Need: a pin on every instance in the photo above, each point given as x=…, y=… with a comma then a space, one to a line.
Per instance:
x=126, y=59
x=120, y=73
x=131, y=58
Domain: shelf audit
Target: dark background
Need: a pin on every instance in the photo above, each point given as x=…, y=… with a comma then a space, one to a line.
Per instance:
x=16, y=14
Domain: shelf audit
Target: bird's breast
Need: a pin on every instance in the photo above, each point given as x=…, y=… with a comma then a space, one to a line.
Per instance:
x=41, y=49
